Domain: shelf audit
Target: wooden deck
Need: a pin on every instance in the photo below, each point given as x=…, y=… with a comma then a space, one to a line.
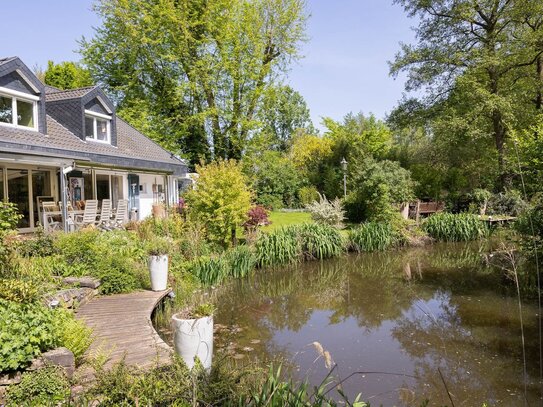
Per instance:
x=122, y=327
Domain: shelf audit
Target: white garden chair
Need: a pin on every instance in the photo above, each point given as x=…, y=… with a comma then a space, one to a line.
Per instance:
x=121, y=214
x=105, y=212
x=89, y=215
x=49, y=222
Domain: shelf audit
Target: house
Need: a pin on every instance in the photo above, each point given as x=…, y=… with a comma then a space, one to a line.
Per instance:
x=69, y=145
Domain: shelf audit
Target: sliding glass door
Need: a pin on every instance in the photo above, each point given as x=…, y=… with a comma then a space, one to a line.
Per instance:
x=19, y=194
x=22, y=187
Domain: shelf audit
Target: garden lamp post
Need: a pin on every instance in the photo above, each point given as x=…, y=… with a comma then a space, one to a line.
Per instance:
x=344, y=167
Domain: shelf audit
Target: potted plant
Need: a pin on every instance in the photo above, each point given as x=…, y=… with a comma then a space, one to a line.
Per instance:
x=193, y=334
x=158, y=250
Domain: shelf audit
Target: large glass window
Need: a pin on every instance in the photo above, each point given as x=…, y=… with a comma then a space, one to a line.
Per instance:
x=25, y=113
x=17, y=111
x=97, y=128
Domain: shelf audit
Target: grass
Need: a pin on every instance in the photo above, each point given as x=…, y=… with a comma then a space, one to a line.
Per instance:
x=281, y=219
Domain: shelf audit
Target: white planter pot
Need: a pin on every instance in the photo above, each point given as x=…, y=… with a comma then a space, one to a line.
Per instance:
x=193, y=338
x=158, y=268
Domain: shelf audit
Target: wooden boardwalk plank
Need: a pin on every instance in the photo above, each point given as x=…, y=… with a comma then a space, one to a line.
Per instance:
x=122, y=327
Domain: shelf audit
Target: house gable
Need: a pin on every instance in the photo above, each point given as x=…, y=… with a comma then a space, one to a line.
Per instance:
x=16, y=78
x=71, y=107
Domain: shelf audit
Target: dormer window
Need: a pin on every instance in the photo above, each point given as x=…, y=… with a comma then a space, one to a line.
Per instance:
x=18, y=109
x=97, y=126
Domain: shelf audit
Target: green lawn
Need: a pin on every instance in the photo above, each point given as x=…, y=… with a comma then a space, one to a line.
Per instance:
x=280, y=219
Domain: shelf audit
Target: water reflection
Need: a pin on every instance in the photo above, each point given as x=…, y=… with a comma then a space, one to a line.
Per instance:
x=417, y=312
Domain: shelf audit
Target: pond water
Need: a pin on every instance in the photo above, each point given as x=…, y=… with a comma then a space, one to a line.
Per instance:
x=414, y=320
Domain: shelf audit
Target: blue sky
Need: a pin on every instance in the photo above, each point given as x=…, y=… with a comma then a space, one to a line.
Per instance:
x=345, y=66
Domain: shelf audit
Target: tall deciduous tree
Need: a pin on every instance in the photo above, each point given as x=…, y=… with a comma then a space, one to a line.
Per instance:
x=67, y=75
x=201, y=66
x=466, y=60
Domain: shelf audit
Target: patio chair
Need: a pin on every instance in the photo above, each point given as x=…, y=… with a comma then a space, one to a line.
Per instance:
x=105, y=212
x=49, y=222
x=89, y=215
x=121, y=214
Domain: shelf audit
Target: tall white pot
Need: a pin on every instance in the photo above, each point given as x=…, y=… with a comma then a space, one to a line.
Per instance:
x=158, y=268
x=193, y=338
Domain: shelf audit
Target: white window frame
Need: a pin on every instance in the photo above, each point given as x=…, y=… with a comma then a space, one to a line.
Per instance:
x=15, y=96
x=94, y=115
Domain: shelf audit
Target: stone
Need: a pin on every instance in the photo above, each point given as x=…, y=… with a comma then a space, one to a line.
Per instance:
x=89, y=282
x=10, y=378
x=61, y=357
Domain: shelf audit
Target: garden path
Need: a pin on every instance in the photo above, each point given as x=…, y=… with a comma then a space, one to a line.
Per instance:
x=122, y=327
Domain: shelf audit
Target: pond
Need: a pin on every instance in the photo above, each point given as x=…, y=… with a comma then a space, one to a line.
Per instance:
x=414, y=321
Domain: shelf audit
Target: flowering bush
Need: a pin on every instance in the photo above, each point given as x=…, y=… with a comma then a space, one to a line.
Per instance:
x=256, y=216
x=326, y=212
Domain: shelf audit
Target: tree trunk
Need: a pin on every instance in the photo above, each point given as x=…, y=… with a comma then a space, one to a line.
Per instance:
x=539, y=96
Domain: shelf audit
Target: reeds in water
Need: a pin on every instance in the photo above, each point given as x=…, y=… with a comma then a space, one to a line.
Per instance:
x=373, y=236
x=451, y=227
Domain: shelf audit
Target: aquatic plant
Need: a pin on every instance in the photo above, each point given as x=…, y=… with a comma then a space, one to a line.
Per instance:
x=237, y=262
x=278, y=247
x=373, y=236
x=319, y=241
x=451, y=227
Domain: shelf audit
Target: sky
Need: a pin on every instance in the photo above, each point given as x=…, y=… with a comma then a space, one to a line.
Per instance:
x=344, y=68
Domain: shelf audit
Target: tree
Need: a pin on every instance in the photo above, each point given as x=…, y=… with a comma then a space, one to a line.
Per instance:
x=467, y=60
x=275, y=179
x=201, y=66
x=283, y=112
x=67, y=75
x=221, y=198
x=376, y=187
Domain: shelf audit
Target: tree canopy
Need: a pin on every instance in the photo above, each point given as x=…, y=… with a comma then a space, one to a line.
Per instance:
x=67, y=75
x=198, y=69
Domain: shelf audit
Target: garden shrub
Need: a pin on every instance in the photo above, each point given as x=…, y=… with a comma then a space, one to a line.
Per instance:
x=48, y=386
x=39, y=245
x=377, y=188
x=79, y=248
x=257, y=217
x=9, y=216
x=172, y=385
x=72, y=334
x=18, y=290
x=327, y=212
x=26, y=330
x=506, y=203
x=221, y=200
x=373, y=236
x=117, y=275
x=454, y=227
x=307, y=195
x=171, y=226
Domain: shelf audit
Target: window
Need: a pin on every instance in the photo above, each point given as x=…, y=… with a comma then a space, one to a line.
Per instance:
x=18, y=109
x=97, y=126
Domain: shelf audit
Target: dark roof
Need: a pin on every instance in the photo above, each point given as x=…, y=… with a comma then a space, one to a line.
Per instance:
x=7, y=59
x=53, y=94
x=131, y=145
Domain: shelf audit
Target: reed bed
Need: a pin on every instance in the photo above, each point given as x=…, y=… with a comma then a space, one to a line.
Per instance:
x=278, y=247
x=318, y=241
x=449, y=227
x=373, y=236
x=234, y=263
